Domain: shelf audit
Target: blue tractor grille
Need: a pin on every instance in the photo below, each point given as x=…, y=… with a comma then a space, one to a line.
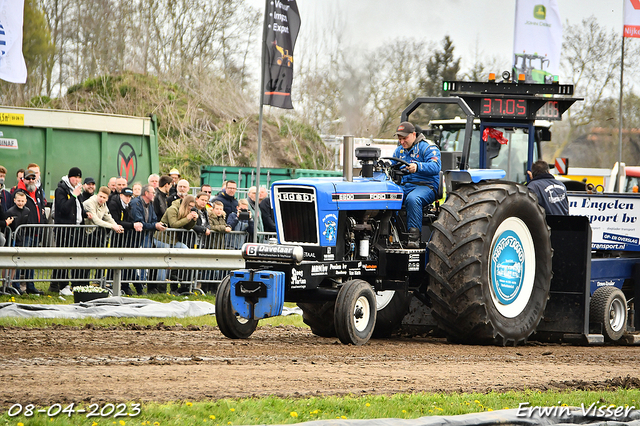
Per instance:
x=297, y=214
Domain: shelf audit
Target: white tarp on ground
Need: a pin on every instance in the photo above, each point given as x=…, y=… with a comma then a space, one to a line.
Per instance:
x=495, y=418
x=115, y=307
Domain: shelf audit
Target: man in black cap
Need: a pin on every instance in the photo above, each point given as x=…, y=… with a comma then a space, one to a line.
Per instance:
x=88, y=189
x=35, y=197
x=68, y=211
x=121, y=213
x=35, y=205
x=420, y=186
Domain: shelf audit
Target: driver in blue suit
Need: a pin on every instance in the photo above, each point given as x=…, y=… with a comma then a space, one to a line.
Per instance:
x=420, y=186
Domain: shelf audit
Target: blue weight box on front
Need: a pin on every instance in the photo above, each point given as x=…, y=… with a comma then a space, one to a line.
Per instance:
x=257, y=294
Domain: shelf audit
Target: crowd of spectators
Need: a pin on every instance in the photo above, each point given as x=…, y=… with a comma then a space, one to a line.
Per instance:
x=154, y=214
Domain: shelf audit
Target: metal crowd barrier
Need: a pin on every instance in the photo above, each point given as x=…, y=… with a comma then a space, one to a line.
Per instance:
x=7, y=236
x=117, y=260
x=84, y=237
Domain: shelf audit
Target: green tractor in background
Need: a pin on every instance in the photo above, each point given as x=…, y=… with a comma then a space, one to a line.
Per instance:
x=532, y=66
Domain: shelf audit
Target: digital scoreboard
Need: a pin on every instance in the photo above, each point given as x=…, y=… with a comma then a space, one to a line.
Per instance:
x=503, y=108
x=517, y=108
x=510, y=101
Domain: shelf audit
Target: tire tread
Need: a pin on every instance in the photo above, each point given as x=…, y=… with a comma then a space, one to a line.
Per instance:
x=456, y=263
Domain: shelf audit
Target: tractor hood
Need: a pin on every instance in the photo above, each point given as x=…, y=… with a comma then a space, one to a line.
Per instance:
x=310, y=206
x=376, y=193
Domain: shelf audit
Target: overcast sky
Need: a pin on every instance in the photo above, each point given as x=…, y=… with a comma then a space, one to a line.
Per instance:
x=484, y=26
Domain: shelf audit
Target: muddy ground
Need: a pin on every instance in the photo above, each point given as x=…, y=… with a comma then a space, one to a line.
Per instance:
x=65, y=364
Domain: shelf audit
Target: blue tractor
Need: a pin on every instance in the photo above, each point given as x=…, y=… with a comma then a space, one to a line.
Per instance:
x=492, y=268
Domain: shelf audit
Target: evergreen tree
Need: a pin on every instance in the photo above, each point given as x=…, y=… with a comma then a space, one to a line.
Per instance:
x=442, y=66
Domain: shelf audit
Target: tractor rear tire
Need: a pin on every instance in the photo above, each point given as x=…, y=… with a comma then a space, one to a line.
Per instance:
x=389, y=317
x=355, y=312
x=319, y=317
x=490, y=264
x=231, y=325
x=608, y=307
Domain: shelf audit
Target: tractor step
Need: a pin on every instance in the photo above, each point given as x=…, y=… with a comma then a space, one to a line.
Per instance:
x=405, y=251
x=630, y=339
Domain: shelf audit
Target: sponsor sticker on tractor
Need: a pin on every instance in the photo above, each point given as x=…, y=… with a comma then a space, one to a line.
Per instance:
x=330, y=223
x=507, y=267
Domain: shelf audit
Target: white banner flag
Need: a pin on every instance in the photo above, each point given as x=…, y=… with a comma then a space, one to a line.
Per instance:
x=632, y=18
x=537, y=40
x=12, y=65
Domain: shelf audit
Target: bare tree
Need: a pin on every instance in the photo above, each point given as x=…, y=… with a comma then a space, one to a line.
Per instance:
x=394, y=72
x=173, y=39
x=591, y=59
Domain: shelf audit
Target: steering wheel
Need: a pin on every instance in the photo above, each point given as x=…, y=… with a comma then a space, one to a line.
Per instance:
x=399, y=163
x=397, y=171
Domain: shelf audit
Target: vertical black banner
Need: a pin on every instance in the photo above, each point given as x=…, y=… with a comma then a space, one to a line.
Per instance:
x=281, y=26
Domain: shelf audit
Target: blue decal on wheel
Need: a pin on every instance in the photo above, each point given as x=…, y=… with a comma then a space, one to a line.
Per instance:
x=507, y=267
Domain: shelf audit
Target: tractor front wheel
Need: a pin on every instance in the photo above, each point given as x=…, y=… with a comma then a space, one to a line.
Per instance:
x=355, y=312
x=231, y=325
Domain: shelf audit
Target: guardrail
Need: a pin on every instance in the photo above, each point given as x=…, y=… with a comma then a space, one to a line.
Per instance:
x=119, y=259
x=82, y=241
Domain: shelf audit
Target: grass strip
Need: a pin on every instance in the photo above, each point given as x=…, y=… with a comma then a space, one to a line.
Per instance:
x=272, y=410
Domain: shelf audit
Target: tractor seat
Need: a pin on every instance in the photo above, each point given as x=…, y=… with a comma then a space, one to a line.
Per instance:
x=430, y=212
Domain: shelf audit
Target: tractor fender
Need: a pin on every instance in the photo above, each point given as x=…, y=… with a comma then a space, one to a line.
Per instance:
x=454, y=178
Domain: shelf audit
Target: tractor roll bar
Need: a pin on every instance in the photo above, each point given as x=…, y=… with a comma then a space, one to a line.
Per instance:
x=468, y=128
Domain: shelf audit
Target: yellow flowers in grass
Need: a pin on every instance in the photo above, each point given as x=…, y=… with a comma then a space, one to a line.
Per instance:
x=293, y=414
x=212, y=417
x=189, y=404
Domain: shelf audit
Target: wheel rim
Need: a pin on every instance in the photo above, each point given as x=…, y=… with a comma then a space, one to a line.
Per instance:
x=616, y=314
x=383, y=298
x=361, y=314
x=512, y=267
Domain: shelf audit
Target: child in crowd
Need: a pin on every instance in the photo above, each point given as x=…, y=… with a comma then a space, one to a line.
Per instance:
x=218, y=220
x=218, y=226
x=137, y=189
x=20, y=214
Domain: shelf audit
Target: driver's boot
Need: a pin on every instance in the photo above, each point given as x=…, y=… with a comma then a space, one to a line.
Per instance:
x=414, y=238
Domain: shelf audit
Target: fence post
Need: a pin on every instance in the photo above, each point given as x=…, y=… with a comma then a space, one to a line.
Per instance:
x=116, y=282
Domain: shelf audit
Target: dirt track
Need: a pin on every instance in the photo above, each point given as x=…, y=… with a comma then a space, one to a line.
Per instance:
x=63, y=364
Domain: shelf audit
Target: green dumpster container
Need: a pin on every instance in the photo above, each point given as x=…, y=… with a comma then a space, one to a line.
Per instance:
x=101, y=145
x=301, y=173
